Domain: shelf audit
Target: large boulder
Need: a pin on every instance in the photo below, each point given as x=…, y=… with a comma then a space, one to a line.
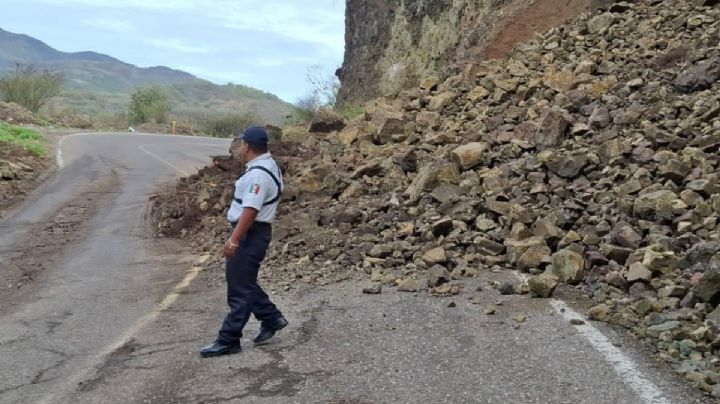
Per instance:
x=469, y=155
x=542, y=285
x=388, y=122
x=431, y=175
x=624, y=235
x=10, y=170
x=699, y=77
x=660, y=261
x=566, y=166
x=568, y=266
x=534, y=257
x=516, y=248
x=600, y=23
x=708, y=288
x=660, y=204
x=440, y=101
x=437, y=275
x=435, y=256
x=552, y=130
x=325, y=120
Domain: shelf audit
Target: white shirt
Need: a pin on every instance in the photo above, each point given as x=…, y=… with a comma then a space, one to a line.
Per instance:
x=255, y=188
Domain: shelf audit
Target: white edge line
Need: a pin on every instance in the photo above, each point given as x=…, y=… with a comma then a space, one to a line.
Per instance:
x=621, y=363
x=178, y=169
x=162, y=160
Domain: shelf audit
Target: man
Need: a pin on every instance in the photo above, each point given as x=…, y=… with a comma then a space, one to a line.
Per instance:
x=255, y=203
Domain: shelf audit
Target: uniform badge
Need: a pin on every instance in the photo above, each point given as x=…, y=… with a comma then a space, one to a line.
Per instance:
x=254, y=189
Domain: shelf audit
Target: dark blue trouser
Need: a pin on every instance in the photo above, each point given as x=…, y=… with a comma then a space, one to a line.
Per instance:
x=244, y=295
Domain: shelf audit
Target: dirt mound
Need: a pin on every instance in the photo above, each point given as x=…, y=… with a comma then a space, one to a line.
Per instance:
x=20, y=172
x=181, y=208
x=524, y=23
x=17, y=114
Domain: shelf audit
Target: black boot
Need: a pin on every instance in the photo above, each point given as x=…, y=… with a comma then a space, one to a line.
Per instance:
x=268, y=329
x=220, y=348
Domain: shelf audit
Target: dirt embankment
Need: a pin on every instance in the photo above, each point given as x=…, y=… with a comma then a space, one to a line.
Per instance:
x=391, y=46
x=20, y=172
x=521, y=24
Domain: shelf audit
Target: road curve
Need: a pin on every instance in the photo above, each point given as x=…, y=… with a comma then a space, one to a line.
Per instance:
x=76, y=265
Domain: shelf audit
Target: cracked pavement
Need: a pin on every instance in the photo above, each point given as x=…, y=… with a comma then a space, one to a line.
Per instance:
x=77, y=268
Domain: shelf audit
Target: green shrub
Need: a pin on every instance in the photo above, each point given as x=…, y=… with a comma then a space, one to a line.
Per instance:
x=302, y=112
x=25, y=138
x=350, y=111
x=230, y=125
x=148, y=104
x=30, y=87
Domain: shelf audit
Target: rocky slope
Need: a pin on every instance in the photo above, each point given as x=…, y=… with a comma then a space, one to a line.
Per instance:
x=588, y=158
x=391, y=45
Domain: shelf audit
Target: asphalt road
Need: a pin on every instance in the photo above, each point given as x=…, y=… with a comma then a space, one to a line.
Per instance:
x=80, y=251
x=107, y=315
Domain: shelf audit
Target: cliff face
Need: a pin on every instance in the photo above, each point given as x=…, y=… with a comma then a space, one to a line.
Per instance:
x=390, y=45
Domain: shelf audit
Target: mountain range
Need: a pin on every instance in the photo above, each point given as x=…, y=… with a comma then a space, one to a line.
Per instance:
x=100, y=84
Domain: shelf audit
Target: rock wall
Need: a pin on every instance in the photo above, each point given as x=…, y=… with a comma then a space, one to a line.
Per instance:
x=391, y=45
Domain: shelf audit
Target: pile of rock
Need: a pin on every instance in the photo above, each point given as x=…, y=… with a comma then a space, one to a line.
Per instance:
x=11, y=112
x=590, y=157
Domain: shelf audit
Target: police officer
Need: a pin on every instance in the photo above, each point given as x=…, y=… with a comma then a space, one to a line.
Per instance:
x=255, y=203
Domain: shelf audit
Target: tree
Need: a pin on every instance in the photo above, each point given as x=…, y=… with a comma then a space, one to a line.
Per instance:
x=305, y=107
x=324, y=89
x=148, y=104
x=30, y=87
x=231, y=124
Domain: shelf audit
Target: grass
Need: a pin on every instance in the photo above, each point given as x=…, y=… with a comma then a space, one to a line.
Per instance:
x=350, y=111
x=26, y=138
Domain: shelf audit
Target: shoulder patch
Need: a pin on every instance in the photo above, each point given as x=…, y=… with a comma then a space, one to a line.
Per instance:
x=254, y=189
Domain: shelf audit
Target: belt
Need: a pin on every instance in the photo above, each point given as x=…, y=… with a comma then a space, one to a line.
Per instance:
x=255, y=224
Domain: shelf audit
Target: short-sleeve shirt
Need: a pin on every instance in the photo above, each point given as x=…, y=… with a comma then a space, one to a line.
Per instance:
x=255, y=188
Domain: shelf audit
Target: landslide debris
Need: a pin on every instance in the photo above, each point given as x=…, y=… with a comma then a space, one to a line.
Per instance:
x=589, y=157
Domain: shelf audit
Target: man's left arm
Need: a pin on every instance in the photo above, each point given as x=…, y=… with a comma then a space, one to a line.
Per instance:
x=246, y=220
x=253, y=199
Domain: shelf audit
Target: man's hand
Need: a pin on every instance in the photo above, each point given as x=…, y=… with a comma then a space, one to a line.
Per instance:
x=230, y=248
x=247, y=218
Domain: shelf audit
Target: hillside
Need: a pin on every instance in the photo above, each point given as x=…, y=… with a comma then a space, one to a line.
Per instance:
x=442, y=35
x=100, y=84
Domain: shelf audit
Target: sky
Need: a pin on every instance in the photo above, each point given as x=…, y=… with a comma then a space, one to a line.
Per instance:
x=266, y=44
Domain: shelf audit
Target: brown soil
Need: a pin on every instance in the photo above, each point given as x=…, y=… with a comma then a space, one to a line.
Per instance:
x=523, y=24
x=14, y=191
x=177, y=209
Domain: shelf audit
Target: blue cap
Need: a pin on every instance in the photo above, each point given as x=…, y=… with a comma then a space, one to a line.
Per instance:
x=255, y=135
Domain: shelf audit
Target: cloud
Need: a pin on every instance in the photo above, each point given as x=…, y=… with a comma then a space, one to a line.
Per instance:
x=142, y=4
x=180, y=45
x=114, y=25
x=318, y=22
